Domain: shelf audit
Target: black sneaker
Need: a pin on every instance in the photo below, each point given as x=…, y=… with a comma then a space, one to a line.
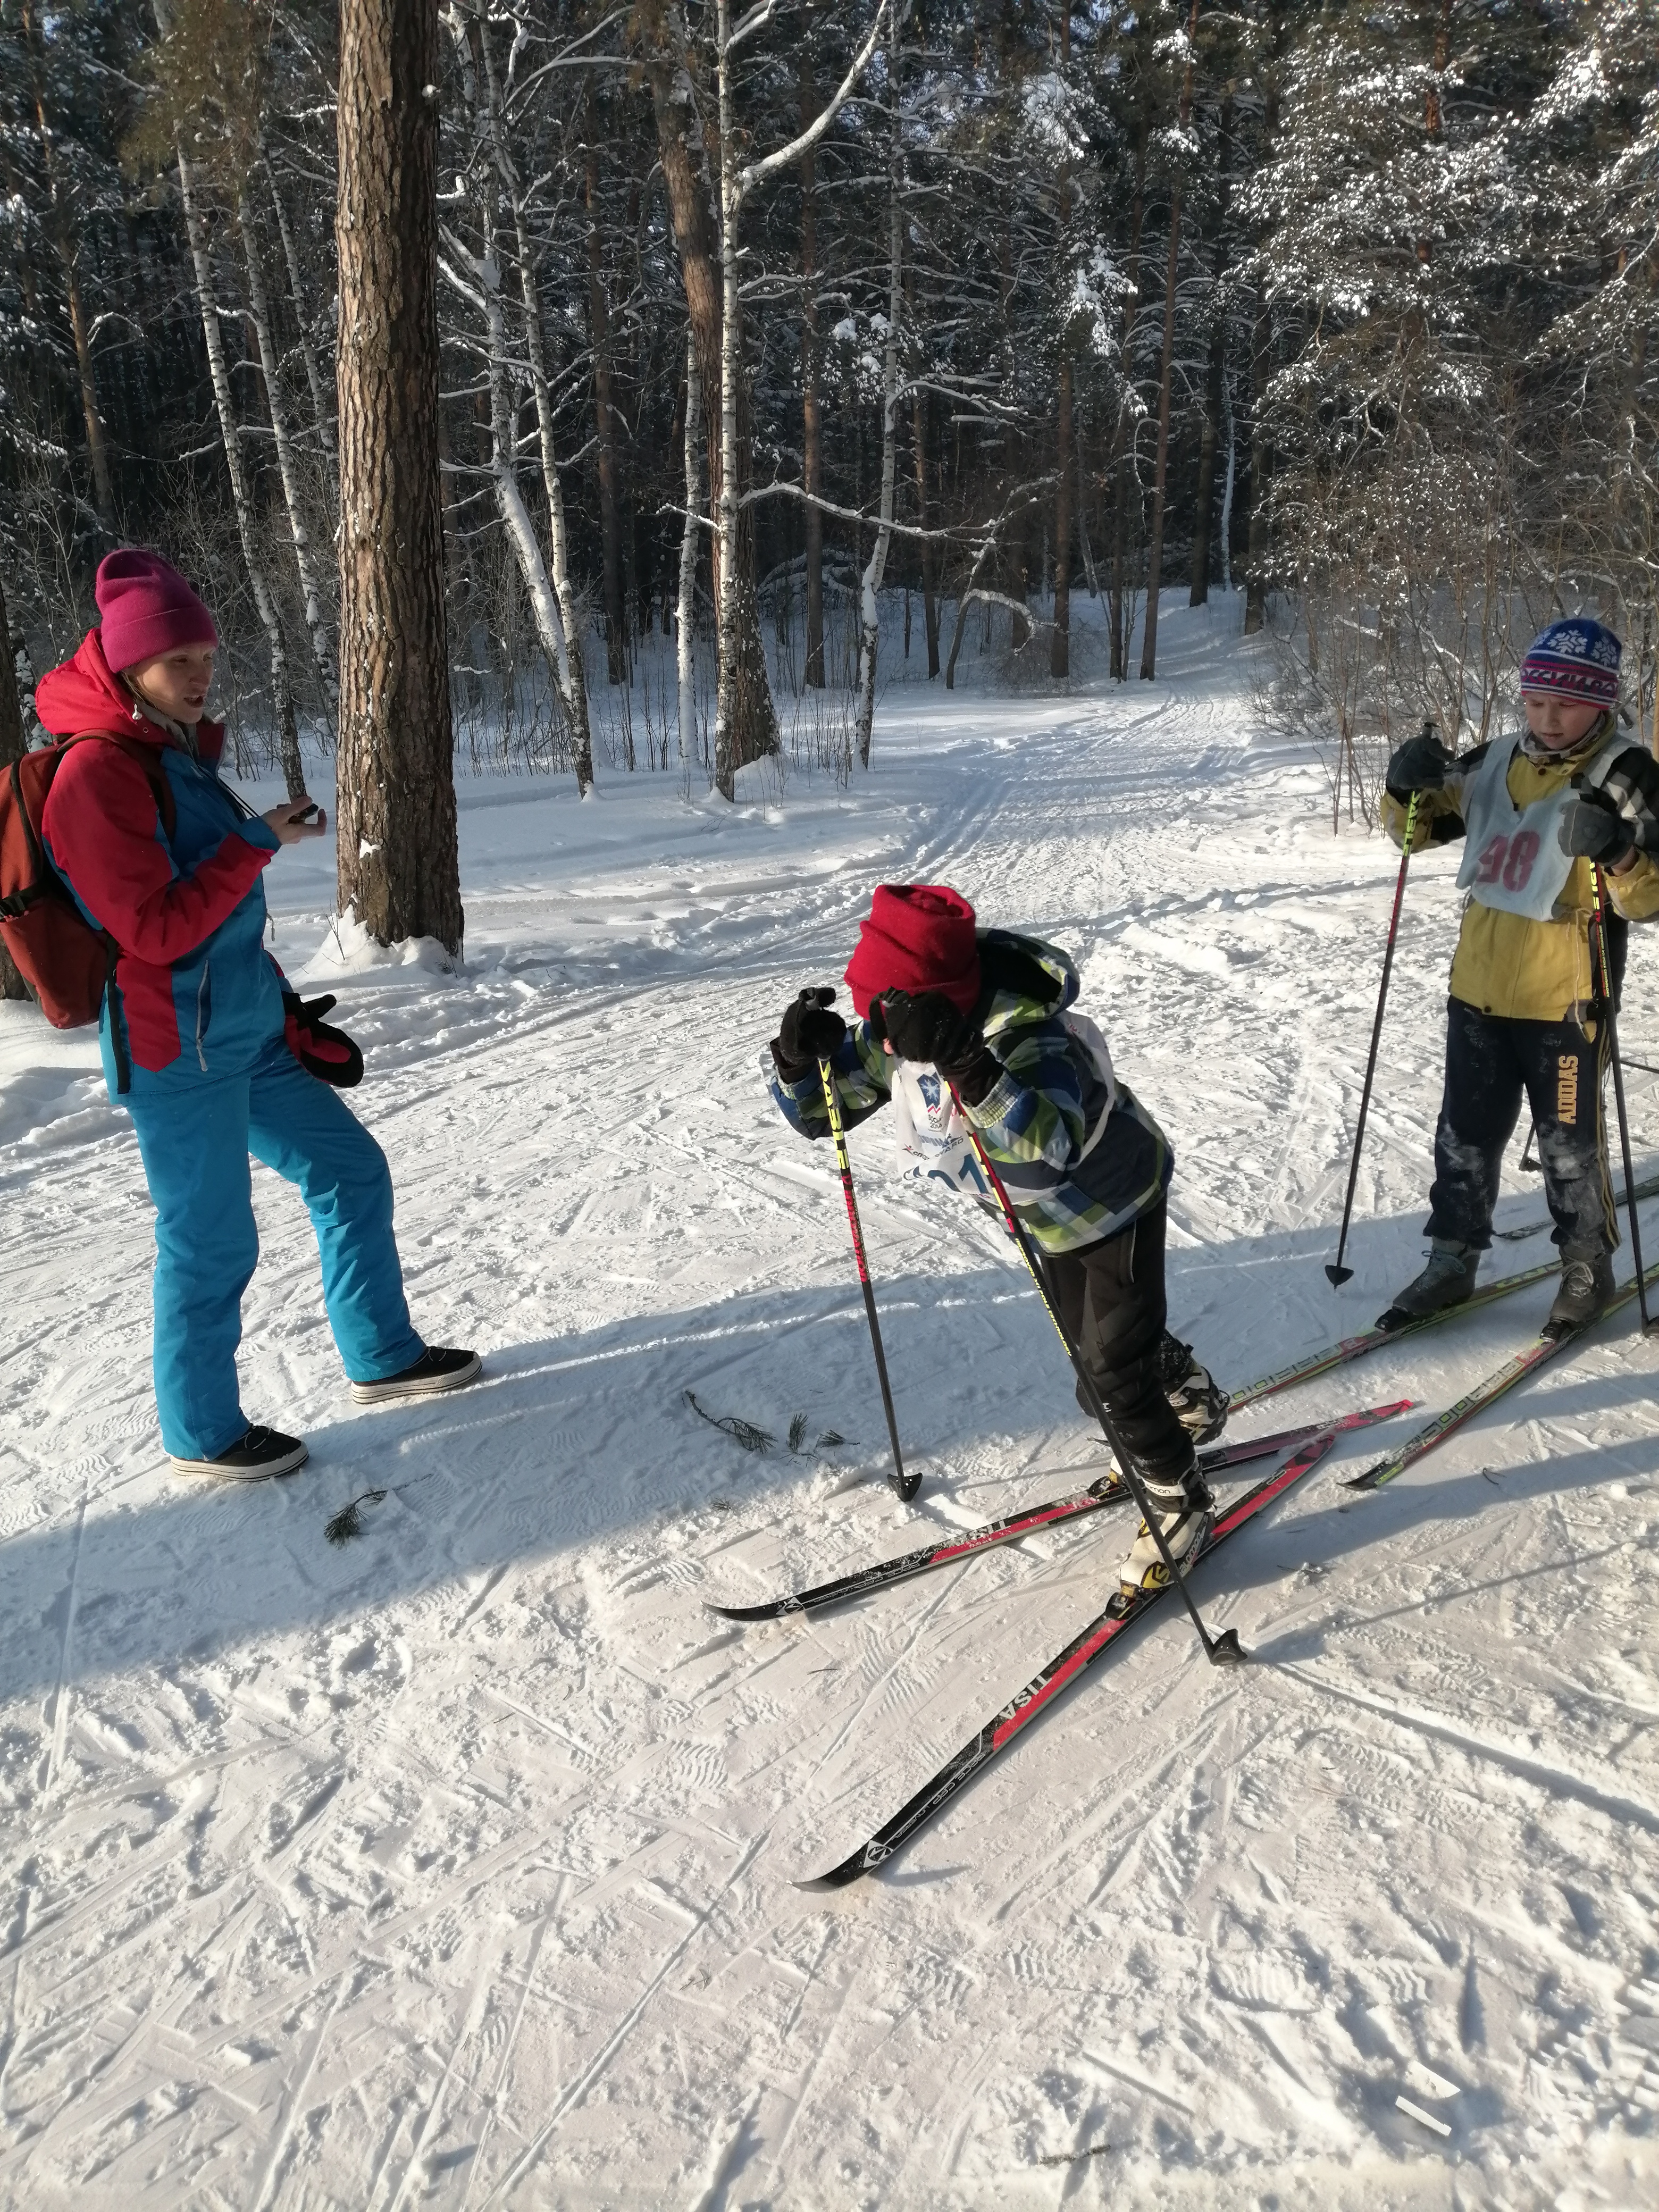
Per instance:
x=1586, y=1286
x=262, y=1452
x=438, y=1368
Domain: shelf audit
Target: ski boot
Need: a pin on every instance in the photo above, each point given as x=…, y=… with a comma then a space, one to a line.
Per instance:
x=1186, y=1513
x=1447, y=1281
x=1196, y=1398
x=1586, y=1286
x=259, y=1453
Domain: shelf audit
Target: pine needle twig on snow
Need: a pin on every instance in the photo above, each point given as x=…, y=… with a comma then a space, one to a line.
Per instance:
x=348, y=1521
x=741, y=1431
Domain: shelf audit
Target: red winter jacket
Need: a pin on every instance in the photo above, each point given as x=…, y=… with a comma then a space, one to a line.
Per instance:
x=187, y=912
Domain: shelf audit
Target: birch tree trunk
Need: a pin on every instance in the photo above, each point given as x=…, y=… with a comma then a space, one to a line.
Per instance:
x=322, y=413
x=396, y=853
x=1204, y=505
x=750, y=722
x=811, y=431
x=60, y=227
x=288, y=735
x=869, y=596
x=1161, y=473
x=685, y=629
x=1059, y=638
x=615, y=621
x=1122, y=472
x=570, y=669
x=318, y=628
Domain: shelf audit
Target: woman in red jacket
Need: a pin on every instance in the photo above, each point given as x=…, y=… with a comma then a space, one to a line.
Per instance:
x=202, y=1041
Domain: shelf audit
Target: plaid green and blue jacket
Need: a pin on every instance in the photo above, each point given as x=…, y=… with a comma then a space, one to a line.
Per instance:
x=1038, y=1117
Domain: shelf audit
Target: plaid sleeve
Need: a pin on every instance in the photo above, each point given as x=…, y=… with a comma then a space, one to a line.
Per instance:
x=1034, y=1120
x=858, y=1071
x=1633, y=784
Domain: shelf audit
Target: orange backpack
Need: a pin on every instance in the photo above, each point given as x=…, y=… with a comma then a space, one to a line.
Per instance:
x=58, y=954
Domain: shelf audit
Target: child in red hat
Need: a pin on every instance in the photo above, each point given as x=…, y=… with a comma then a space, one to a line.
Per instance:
x=946, y=1006
x=211, y=1053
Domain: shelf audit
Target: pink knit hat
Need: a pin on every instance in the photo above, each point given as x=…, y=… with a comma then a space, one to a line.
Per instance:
x=148, y=609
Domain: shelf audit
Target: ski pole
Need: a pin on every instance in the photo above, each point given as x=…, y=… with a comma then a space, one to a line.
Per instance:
x=906, y=1485
x=1529, y=1164
x=1221, y=1651
x=1335, y=1269
x=1599, y=895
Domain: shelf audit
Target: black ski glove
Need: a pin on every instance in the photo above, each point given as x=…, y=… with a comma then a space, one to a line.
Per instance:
x=322, y=1050
x=929, y=1031
x=1592, y=828
x=808, y=1033
x=1420, y=765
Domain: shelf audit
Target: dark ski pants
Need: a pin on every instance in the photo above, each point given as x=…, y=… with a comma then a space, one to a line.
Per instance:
x=1110, y=1296
x=1491, y=1063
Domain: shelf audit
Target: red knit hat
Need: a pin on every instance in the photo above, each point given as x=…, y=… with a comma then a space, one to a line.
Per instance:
x=148, y=609
x=919, y=936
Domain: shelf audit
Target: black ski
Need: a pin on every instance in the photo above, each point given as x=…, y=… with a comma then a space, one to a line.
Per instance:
x=1526, y=1363
x=1126, y=1607
x=1107, y=1491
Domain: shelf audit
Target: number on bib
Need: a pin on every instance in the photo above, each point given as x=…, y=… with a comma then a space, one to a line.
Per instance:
x=1508, y=860
x=1524, y=851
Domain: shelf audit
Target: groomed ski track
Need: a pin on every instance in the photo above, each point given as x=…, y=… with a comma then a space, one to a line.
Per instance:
x=454, y=1867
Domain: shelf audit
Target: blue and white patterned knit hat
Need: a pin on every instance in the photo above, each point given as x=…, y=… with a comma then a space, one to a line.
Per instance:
x=1579, y=659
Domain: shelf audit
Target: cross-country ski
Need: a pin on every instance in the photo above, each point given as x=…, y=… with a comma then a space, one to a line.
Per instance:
x=1124, y=1609
x=1109, y=1489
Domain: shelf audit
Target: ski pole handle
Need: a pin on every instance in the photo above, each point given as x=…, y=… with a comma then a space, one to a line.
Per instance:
x=906, y=1485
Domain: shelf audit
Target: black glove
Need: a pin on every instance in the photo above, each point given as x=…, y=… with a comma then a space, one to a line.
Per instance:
x=1420, y=765
x=928, y=1029
x=808, y=1033
x=1592, y=828
x=321, y=1050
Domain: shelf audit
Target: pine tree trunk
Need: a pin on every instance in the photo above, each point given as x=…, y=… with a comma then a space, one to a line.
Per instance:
x=318, y=628
x=1204, y=502
x=397, y=859
x=811, y=446
x=615, y=621
x=12, y=985
x=281, y=691
x=1059, y=641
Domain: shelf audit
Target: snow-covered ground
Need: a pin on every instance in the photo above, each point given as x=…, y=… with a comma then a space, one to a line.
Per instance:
x=455, y=1866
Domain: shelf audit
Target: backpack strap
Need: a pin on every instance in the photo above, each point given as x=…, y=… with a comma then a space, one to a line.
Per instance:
x=146, y=757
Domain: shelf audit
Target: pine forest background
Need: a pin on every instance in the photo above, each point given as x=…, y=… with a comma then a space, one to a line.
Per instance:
x=1347, y=305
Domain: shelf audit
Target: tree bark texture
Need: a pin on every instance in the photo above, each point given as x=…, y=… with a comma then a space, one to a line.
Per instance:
x=1123, y=435
x=1204, y=507
x=397, y=859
